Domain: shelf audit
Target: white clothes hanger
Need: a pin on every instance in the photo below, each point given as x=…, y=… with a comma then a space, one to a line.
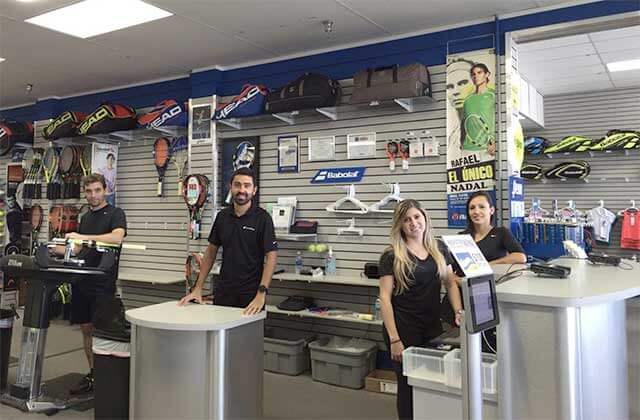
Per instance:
x=632, y=208
x=351, y=228
x=394, y=196
x=350, y=198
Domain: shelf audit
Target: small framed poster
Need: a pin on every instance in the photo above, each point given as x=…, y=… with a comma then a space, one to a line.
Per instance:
x=288, y=154
x=361, y=146
x=200, y=124
x=322, y=148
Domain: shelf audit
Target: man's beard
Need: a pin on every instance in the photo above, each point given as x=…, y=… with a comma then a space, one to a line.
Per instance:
x=242, y=199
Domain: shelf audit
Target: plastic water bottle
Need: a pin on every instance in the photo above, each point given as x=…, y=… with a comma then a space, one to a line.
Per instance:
x=298, y=262
x=330, y=263
x=377, y=315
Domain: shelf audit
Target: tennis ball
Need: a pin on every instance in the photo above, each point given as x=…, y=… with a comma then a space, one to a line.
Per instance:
x=312, y=248
x=321, y=248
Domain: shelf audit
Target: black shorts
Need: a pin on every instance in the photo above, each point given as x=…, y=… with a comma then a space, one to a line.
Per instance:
x=84, y=304
x=235, y=299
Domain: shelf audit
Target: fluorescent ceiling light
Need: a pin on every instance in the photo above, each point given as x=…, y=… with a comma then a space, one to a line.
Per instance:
x=624, y=65
x=94, y=17
x=2, y=59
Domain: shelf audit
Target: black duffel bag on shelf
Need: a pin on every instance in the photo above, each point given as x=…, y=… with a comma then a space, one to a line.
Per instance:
x=109, y=117
x=391, y=82
x=12, y=132
x=311, y=90
x=64, y=125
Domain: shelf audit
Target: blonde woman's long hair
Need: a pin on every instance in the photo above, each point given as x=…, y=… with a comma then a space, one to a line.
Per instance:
x=403, y=264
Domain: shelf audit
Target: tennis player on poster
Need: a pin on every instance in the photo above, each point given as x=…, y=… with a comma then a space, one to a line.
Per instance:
x=245, y=232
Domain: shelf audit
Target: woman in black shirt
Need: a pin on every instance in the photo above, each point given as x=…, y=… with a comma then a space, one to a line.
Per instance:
x=411, y=272
x=496, y=243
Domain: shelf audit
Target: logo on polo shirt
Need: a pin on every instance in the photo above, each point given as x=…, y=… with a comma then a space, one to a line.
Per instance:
x=249, y=228
x=338, y=175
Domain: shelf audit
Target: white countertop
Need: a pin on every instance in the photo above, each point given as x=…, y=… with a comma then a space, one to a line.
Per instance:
x=191, y=317
x=588, y=284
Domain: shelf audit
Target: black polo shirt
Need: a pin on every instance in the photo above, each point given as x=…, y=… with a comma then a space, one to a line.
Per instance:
x=99, y=222
x=498, y=243
x=245, y=240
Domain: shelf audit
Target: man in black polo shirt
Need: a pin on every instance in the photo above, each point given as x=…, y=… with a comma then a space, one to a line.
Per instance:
x=246, y=234
x=103, y=223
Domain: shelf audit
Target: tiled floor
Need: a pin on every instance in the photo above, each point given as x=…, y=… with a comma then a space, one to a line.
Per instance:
x=285, y=397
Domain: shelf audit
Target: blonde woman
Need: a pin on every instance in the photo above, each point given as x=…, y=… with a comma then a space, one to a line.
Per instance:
x=412, y=270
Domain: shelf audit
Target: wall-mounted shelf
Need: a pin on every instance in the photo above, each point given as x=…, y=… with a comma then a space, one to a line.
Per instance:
x=333, y=279
x=309, y=314
x=391, y=106
x=297, y=237
x=587, y=180
x=591, y=153
x=123, y=136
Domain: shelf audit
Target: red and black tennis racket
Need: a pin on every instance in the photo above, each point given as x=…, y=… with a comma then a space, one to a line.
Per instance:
x=55, y=221
x=161, y=157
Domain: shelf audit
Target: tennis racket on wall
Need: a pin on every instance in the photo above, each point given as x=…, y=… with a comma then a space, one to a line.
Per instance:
x=36, y=216
x=69, y=219
x=161, y=157
x=66, y=163
x=76, y=170
x=195, y=193
x=55, y=221
x=50, y=168
x=85, y=160
x=192, y=270
x=180, y=157
x=37, y=173
x=28, y=159
x=243, y=157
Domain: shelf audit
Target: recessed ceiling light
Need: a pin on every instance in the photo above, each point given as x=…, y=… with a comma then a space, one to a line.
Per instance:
x=624, y=65
x=94, y=17
x=2, y=59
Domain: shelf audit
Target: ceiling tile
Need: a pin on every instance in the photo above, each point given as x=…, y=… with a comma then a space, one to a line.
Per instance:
x=618, y=44
x=629, y=54
x=553, y=43
x=630, y=31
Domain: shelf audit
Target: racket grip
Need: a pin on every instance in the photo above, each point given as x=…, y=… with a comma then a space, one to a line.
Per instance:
x=180, y=187
x=159, y=191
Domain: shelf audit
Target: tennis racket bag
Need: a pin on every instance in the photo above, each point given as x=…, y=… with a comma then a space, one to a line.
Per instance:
x=311, y=90
x=578, y=169
x=166, y=113
x=64, y=125
x=250, y=101
x=391, y=82
x=107, y=118
x=12, y=132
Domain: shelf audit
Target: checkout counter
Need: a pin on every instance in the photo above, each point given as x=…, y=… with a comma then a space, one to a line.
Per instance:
x=195, y=362
x=563, y=350
x=562, y=343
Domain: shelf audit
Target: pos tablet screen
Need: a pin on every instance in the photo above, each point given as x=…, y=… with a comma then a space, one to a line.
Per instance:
x=480, y=300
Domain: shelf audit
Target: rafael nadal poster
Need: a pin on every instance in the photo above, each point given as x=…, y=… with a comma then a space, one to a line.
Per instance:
x=471, y=130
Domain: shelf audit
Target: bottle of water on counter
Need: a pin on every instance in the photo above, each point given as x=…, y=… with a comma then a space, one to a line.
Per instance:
x=330, y=263
x=298, y=262
x=377, y=314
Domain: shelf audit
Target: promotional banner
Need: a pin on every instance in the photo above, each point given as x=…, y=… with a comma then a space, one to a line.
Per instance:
x=240, y=152
x=104, y=161
x=471, y=129
x=515, y=135
x=516, y=206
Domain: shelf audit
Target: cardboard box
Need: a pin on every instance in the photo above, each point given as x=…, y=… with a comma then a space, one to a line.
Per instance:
x=383, y=381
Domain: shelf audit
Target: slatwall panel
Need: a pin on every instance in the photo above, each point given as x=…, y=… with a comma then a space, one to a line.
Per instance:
x=424, y=181
x=592, y=115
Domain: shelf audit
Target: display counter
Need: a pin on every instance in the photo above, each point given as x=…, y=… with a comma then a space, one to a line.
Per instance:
x=562, y=343
x=196, y=362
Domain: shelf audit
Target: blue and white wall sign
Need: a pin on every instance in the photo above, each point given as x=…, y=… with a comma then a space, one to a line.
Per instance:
x=338, y=175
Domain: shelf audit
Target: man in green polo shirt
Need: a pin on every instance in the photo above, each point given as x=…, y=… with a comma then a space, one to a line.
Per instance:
x=479, y=113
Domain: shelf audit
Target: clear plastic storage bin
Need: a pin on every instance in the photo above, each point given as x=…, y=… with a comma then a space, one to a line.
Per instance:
x=422, y=363
x=453, y=371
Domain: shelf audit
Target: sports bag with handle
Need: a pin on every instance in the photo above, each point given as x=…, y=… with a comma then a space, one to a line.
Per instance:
x=391, y=82
x=65, y=125
x=250, y=101
x=107, y=118
x=12, y=132
x=166, y=113
x=310, y=90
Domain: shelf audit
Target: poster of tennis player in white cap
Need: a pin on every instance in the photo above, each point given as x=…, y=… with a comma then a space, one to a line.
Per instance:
x=471, y=129
x=104, y=161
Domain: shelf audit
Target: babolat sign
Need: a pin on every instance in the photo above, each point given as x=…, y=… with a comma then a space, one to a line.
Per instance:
x=338, y=175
